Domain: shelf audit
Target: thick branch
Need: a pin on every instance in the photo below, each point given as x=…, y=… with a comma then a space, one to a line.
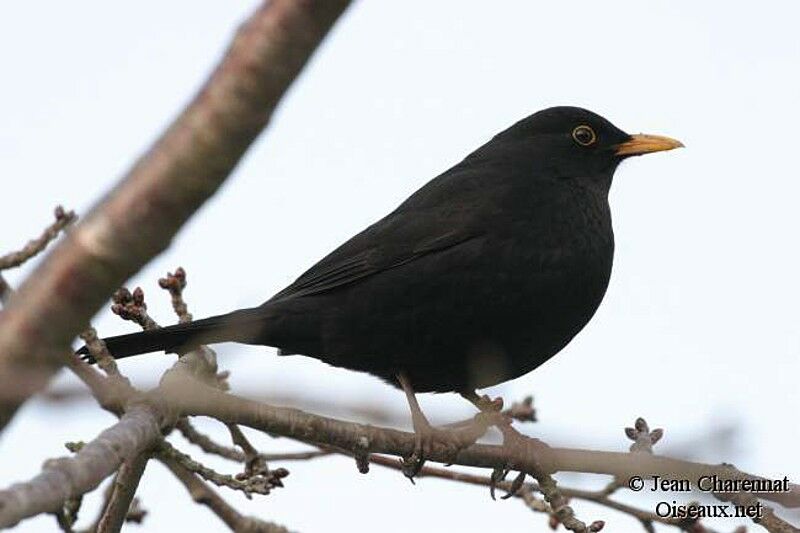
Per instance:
x=358, y=438
x=123, y=491
x=67, y=477
x=167, y=185
x=181, y=394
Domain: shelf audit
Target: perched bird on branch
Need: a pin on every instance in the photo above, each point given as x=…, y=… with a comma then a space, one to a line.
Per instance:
x=479, y=277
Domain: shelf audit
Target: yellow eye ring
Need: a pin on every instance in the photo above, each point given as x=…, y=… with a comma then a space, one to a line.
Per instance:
x=584, y=135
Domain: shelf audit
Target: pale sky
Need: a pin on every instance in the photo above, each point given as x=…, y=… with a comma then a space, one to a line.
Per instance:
x=699, y=328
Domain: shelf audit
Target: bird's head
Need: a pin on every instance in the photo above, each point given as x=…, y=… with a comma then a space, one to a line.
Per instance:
x=571, y=142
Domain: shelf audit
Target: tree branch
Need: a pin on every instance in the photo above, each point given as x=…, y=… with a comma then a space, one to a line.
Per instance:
x=67, y=477
x=203, y=494
x=37, y=245
x=208, y=445
x=123, y=491
x=248, y=486
x=199, y=399
x=138, y=219
x=181, y=394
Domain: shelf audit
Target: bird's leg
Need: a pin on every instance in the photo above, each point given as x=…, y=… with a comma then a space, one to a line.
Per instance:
x=483, y=403
x=514, y=441
x=491, y=412
x=426, y=435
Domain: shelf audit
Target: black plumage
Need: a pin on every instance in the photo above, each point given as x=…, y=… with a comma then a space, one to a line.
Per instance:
x=479, y=277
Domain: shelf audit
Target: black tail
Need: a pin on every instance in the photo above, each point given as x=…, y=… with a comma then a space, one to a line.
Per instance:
x=246, y=326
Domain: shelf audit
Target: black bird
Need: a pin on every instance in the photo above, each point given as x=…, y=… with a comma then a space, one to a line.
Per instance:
x=479, y=277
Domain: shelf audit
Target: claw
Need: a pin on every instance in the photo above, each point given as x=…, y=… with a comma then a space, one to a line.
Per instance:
x=410, y=467
x=511, y=439
x=426, y=438
x=485, y=403
x=498, y=474
x=515, y=485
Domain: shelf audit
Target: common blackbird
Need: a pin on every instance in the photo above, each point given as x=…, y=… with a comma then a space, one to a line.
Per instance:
x=479, y=277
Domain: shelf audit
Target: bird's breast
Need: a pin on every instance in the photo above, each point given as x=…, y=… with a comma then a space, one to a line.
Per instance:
x=550, y=273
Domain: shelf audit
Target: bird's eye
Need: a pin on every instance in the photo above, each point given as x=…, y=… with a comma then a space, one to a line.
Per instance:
x=584, y=135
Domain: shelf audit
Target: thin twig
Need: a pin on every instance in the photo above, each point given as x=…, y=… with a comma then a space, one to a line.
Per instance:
x=600, y=496
x=205, y=495
x=248, y=486
x=35, y=246
x=99, y=351
x=208, y=445
x=131, y=306
x=175, y=283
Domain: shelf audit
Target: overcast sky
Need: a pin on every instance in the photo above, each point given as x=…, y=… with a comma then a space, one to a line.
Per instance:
x=698, y=331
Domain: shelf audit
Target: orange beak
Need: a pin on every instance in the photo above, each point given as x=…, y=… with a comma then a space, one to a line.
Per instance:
x=645, y=144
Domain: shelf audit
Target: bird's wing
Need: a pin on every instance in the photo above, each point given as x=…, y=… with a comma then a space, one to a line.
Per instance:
x=396, y=240
x=446, y=212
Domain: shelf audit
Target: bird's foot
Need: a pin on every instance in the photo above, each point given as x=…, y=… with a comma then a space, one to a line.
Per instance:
x=454, y=437
x=517, y=445
x=428, y=438
x=490, y=413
